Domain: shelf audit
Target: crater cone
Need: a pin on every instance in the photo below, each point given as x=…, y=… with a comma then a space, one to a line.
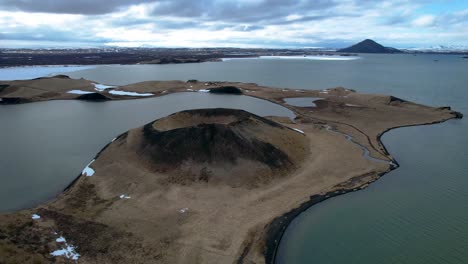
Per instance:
x=217, y=146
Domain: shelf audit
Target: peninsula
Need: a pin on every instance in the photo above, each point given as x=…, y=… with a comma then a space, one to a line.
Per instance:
x=206, y=185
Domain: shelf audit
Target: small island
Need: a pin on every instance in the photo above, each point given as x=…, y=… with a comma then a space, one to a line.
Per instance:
x=207, y=185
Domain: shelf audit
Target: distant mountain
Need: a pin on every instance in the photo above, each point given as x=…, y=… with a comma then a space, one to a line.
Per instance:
x=369, y=46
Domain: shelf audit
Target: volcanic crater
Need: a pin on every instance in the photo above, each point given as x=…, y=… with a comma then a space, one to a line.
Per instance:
x=217, y=146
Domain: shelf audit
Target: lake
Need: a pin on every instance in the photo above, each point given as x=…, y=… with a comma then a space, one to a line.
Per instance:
x=415, y=214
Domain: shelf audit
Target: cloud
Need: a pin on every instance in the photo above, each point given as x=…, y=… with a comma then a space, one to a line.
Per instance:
x=85, y=7
x=239, y=23
x=258, y=11
x=424, y=21
x=47, y=33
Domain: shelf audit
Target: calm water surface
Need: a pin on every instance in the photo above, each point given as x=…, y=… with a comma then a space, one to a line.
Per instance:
x=302, y=101
x=415, y=214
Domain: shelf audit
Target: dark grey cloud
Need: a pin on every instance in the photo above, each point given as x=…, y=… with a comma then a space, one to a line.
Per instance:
x=46, y=33
x=329, y=18
x=157, y=23
x=255, y=14
x=239, y=12
x=85, y=7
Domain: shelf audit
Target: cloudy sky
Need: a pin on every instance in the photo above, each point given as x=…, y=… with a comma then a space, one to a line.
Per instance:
x=231, y=23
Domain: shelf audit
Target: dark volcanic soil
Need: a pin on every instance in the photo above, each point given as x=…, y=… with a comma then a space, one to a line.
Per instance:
x=219, y=141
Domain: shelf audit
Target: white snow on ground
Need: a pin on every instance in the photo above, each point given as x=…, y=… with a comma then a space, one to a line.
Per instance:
x=352, y=105
x=298, y=130
x=190, y=90
x=124, y=196
x=79, y=92
x=102, y=87
x=129, y=93
x=164, y=91
x=204, y=91
x=113, y=139
x=68, y=252
x=88, y=171
x=183, y=210
x=35, y=217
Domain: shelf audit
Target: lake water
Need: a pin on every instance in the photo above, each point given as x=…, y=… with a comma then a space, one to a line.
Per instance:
x=302, y=101
x=24, y=73
x=415, y=214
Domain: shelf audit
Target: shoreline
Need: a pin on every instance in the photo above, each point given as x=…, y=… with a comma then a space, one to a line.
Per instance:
x=260, y=242
x=276, y=228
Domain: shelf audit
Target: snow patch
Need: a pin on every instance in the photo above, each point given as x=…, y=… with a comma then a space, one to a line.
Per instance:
x=79, y=92
x=183, y=210
x=61, y=240
x=352, y=105
x=129, y=93
x=298, y=130
x=114, y=139
x=102, y=87
x=88, y=171
x=204, y=91
x=69, y=252
x=35, y=217
x=124, y=196
x=190, y=90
